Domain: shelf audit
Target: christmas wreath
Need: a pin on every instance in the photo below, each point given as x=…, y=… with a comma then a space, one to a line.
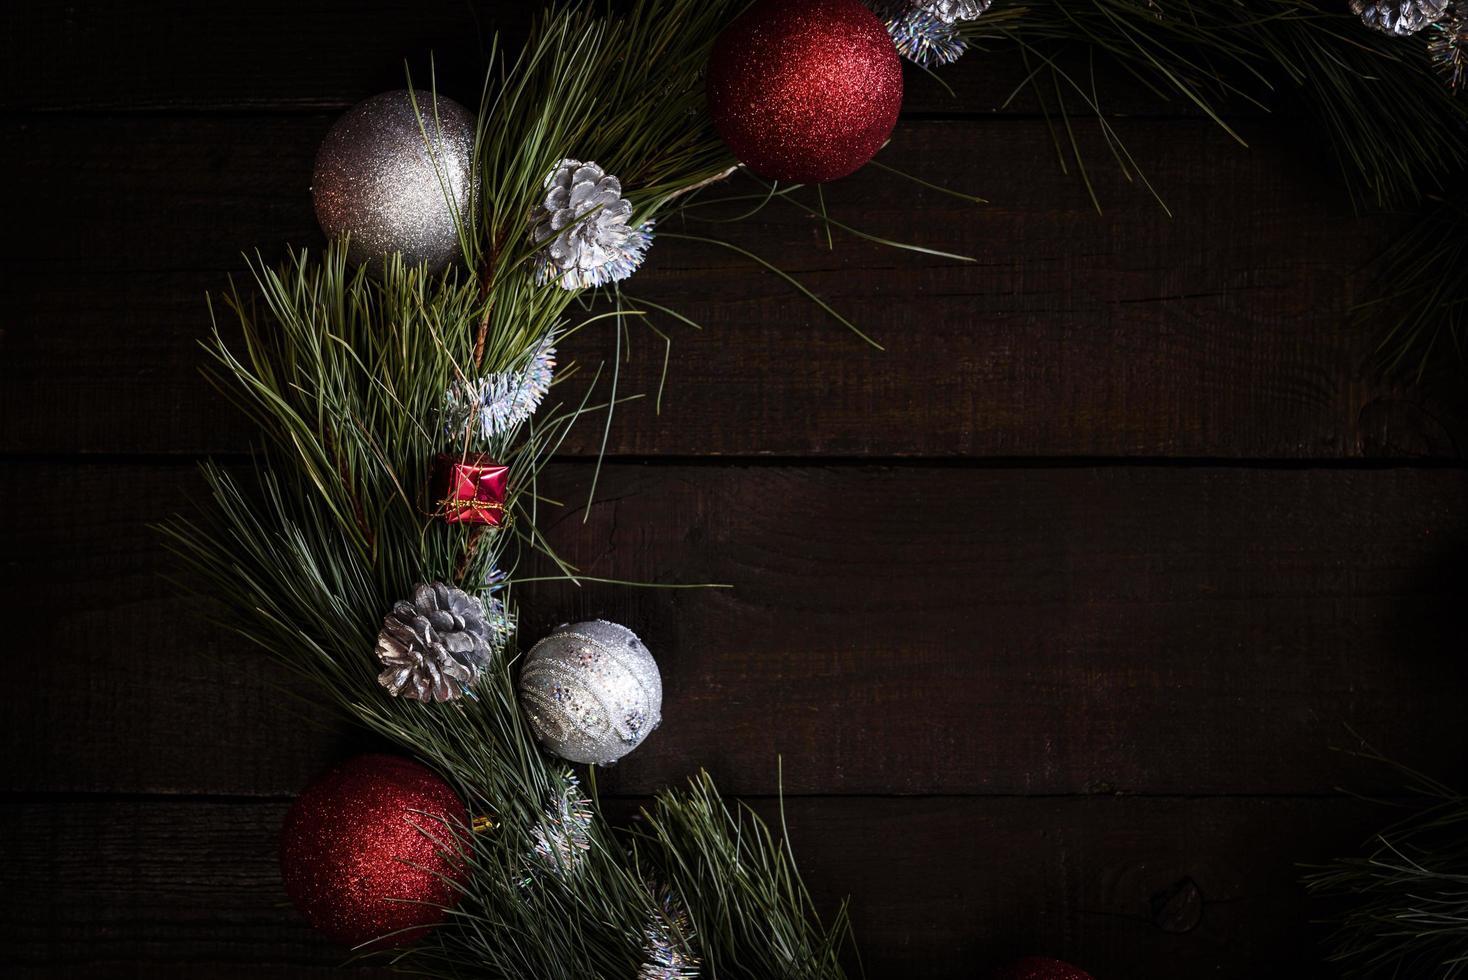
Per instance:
x=401, y=382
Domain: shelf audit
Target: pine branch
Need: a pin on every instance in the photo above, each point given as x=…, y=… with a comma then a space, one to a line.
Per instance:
x=1422, y=293
x=1392, y=124
x=1405, y=901
x=1394, y=127
x=345, y=373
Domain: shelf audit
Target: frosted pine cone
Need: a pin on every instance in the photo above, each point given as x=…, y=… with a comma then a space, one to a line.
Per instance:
x=954, y=11
x=1399, y=17
x=582, y=225
x=436, y=646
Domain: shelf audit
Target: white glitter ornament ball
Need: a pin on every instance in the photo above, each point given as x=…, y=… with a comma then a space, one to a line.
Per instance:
x=378, y=178
x=592, y=692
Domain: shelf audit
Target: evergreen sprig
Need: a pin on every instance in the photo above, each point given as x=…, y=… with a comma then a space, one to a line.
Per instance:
x=344, y=373
x=1394, y=127
x=1422, y=292
x=1398, y=133
x=1405, y=900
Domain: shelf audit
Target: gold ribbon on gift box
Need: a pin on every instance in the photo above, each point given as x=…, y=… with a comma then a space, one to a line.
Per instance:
x=472, y=503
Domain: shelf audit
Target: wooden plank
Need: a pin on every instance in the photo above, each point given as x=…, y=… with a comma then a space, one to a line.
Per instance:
x=213, y=968
x=1136, y=888
x=101, y=884
x=1221, y=333
x=94, y=56
x=890, y=630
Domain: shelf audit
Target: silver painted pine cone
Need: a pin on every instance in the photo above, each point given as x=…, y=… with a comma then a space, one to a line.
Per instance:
x=436, y=646
x=955, y=11
x=581, y=226
x=1399, y=17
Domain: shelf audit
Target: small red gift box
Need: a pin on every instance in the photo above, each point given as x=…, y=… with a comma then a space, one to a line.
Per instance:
x=471, y=489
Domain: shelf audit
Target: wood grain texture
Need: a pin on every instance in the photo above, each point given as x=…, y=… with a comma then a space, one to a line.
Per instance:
x=1220, y=333
x=1041, y=681
x=940, y=887
x=897, y=630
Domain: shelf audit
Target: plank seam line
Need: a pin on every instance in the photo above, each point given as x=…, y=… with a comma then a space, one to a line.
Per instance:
x=13, y=114
x=163, y=460
x=13, y=798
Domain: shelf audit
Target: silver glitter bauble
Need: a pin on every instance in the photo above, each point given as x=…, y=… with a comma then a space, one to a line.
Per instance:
x=435, y=647
x=592, y=692
x=378, y=178
x=1399, y=17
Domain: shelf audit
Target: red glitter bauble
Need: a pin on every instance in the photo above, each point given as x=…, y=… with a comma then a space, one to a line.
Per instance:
x=356, y=854
x=1041, y=968
x=805, y=90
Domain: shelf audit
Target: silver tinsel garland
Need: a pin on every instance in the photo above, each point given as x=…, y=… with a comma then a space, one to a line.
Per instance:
x=499, y=402
x=435, y=647
x=668, y=943
x=581, y=226
x=562, y=838
x=1399, y=17
x=925, y=40
x=1447, y=44
x=927, y=33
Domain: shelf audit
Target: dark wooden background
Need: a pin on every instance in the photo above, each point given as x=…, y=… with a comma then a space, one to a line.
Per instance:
x=1055, y=610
